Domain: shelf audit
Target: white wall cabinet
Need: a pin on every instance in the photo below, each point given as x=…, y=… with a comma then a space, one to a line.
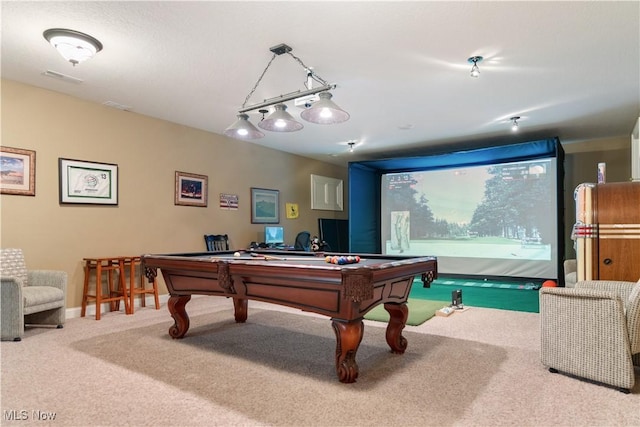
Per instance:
x=326, y=193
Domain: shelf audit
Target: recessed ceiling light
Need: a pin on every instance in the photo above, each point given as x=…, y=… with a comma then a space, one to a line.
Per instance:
x=475, y=71
x=348, y=142
x=514, y=123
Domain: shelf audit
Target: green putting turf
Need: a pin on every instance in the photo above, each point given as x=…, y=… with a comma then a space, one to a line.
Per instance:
x=420, y=310
x=506, y=295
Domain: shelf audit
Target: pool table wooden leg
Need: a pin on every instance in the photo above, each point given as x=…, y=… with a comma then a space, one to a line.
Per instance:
x=240, y=309
x=176, y=305
x=349, y=336
x=398, y=314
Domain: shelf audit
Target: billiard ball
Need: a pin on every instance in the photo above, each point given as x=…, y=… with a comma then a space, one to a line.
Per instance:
x=236, y=254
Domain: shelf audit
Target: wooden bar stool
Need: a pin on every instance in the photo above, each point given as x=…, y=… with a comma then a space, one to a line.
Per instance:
x=114, y=294
x=138, y=283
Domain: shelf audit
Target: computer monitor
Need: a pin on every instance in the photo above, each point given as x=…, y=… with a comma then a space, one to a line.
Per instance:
x=273, y=235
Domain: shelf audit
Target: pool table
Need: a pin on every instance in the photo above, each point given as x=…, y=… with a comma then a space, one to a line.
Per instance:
x=302, y=280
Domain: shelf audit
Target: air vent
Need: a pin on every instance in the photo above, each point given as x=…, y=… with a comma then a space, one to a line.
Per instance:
x=63, y=77
x=117, y=106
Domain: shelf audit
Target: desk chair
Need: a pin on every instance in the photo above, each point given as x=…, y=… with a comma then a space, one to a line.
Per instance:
x=303, y=241
x=216, y=242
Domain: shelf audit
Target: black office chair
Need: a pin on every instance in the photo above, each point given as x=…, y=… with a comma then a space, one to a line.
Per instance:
x=303, y=241
x=216, y=242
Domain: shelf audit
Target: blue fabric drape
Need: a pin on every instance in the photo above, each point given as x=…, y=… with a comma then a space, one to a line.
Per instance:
x=364, y=209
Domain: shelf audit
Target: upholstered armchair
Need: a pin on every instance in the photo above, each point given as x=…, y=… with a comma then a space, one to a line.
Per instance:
x=34, y=297
x=592, y=331
x=570, y=272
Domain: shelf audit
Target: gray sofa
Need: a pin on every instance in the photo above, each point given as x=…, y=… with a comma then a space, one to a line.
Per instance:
x=33, y=297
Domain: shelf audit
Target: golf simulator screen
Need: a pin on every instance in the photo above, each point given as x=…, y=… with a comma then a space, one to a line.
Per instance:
x=491, y=220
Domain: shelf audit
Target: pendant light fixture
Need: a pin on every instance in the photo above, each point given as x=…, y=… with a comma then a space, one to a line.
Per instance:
x=322, y=111
x=74, y=46
x=475, y=71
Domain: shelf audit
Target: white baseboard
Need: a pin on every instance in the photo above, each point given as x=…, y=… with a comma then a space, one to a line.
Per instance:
x=91, y=308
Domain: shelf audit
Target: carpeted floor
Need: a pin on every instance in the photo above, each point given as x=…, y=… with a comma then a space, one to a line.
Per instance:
x=479, y=367
x=260, y=368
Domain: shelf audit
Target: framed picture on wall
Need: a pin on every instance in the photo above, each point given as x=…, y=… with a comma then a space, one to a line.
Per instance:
x=92, y=183
x=191, y=189
x=18, y=171
x=292, y=210
x=265, y=206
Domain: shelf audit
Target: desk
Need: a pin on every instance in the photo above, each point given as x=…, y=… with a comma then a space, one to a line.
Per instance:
x=301, y=280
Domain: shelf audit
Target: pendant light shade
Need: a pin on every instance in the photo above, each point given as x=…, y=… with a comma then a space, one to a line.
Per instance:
x=325, y=111
x=280, y=121
x=243, y=129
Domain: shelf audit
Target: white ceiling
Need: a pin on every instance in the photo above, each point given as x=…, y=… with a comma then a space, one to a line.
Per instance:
x=568, y=69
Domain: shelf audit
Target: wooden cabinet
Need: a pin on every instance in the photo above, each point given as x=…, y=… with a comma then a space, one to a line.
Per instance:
x=608, y=231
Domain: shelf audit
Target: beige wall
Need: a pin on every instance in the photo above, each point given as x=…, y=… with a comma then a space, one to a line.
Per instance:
x=147, y=152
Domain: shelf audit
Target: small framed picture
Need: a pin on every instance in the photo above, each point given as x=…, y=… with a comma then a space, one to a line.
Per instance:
x=92, y=183
x=191, y=189
x=17, y=171
x=265, y=206
x=292, y=210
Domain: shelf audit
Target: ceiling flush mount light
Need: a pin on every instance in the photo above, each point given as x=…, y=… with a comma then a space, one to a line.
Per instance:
x=514, y=123
x=320, y=109
x=74, y=46
x=475, y=71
